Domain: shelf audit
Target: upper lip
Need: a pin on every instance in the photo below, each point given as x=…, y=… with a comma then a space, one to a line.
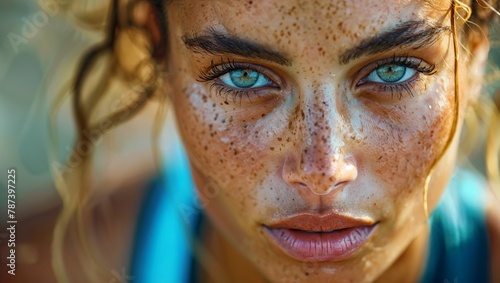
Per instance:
x=320, y=223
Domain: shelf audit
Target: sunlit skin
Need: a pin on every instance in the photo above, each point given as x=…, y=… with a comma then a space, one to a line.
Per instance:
x=321, y=136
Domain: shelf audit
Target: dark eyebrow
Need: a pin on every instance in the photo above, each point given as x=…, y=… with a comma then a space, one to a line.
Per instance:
x=413, y=34
x=215, y=42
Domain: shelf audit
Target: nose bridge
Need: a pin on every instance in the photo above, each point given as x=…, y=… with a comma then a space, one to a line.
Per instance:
x=323, y=165
x=322, y=130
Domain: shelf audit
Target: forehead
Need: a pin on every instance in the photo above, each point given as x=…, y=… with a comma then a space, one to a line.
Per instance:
x=297, y=25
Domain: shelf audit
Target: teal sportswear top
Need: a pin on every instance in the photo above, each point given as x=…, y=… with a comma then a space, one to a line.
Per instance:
x=459, y=245
x=458, y=250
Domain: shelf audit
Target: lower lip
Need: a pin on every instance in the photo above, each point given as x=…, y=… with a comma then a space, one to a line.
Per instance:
x=320, y=246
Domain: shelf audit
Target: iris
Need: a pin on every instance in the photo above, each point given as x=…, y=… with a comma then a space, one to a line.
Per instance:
x=244, y=78
x=391, y=73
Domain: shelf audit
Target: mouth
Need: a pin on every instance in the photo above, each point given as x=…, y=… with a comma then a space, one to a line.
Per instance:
x=316, y=238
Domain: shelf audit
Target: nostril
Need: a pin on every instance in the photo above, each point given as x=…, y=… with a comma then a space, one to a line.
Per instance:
x=340, y=184
x=302, y=185
x=317, y=177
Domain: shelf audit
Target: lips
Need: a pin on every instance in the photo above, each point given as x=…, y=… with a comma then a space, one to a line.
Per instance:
x=320, y=238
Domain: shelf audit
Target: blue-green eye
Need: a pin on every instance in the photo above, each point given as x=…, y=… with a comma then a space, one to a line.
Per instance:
x=391, y=73
x=245, y=78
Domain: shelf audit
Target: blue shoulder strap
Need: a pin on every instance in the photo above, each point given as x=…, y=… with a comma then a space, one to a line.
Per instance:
x=459, y=249
x=161, y=249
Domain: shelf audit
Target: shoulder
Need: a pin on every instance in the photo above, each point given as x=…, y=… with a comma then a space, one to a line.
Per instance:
x=493, y=224
x=460, y=227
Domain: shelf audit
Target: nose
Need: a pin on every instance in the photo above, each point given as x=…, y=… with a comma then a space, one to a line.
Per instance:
x=322, y=163
x=323, y=173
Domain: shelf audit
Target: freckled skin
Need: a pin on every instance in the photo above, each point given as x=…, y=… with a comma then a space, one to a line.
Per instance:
x=318, y=142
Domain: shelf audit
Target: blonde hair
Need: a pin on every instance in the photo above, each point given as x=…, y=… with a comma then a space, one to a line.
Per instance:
x=131, y=56
x=125, y=60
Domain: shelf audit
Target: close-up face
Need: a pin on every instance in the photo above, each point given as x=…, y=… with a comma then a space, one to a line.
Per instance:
x=314, y=124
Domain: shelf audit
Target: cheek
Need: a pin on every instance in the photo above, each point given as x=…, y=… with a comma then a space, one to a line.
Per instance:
x=222, y=146
x=404, y=139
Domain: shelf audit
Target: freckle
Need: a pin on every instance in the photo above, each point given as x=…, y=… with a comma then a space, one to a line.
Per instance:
x=271, y=148
x=280, y=139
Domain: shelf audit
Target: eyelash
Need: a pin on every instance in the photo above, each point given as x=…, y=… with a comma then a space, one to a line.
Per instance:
x=217, y=70
x=225, y=66
x=419, y=65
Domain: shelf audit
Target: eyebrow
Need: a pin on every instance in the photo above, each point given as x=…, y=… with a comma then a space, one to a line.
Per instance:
x=215, y=42
x=415, y=34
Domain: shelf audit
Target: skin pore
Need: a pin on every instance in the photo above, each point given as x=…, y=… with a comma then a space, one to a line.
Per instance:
x=320, y=132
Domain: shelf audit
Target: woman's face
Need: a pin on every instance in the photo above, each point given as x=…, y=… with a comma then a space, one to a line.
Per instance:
x=311, y=126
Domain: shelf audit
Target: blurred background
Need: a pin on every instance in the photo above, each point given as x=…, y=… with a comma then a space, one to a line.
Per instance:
x=39, y=50
x=32, y=45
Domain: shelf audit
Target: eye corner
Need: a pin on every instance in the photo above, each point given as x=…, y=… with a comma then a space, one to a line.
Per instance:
x=360, y=82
